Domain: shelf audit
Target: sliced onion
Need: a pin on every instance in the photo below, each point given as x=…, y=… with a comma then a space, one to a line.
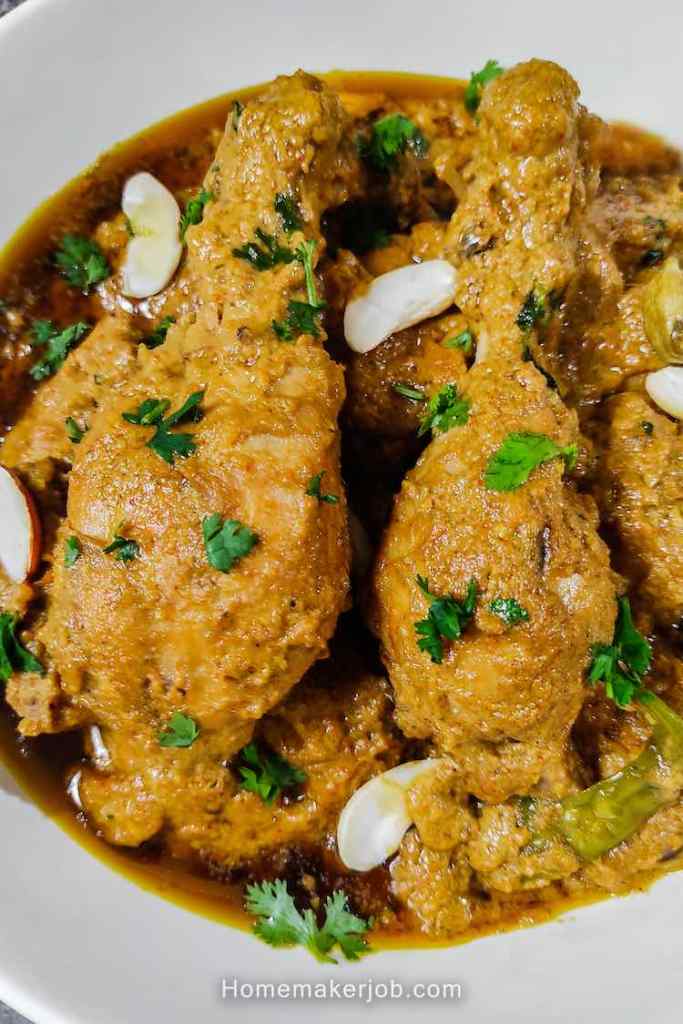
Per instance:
x=397, y=300
x=20, y=532
x=376, y=818
x=154, y=252
x=665, y=388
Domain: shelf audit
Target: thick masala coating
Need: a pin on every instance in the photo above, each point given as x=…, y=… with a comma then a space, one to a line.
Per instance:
x=504, y=697
x=128, y=643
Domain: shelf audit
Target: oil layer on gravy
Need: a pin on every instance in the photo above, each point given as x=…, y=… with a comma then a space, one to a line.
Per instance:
x=557, y=226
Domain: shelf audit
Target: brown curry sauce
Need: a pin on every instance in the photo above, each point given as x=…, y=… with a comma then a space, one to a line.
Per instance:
x=178, y=151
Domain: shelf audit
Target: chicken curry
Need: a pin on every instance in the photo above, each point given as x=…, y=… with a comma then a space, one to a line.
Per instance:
x=342, y=503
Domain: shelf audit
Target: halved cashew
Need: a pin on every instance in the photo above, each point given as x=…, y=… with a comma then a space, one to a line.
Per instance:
x=375, y=819
x=397, y=300
x=665, y=388
x=20, y=531
x=155, y=249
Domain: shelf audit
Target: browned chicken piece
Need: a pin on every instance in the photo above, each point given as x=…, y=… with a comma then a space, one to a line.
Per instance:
x=335, y=727
x=415, y=357
x=100, y=365
x=639, y=487
x=128, y=643
x=503, y=699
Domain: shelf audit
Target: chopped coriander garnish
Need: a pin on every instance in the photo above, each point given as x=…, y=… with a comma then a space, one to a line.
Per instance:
x=181, y=731
x=264, y=256
x=158, y=335
x=388, y=139
x=304, y=254
x=534, y=310
x=444, y=410
x=647, y=426
x=123, y=549
x=512, y=465
x=194, y=211
x=165, y=444
x=72, y=551
x=57, y=345
x=509, y=610
x=409, y=392
x=148, y=412
x=226, y=541
x=281, y=924
x=652, y=257
x=267, y=774
x=300, y=319
x=477, y=83
x=237, y=109
x=81, y=262
x=286, y=206
x=313, y=490
x=464, y=341
x=621, y=664
x=73, y=431
x=14, y=657
x=301, y=316
x=447, y=618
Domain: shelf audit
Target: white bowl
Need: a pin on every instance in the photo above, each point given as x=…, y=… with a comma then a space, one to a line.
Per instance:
x=80, y=944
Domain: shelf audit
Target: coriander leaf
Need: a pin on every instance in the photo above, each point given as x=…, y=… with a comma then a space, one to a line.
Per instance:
x=444, y=410
x=635, y=650
x=304, y=254
x=301, y=319
x=509, y=610
x=264, y=256
x=447, y=618
x=73, y=431
x=521, y=453
x=72, y=551
x=389, y=138
x=189, y=411
x=409, y=392
x=342, y=928
x=534, y=310
x=621, y=664
x=181, y=731
x=163, y=443
x=194, y=211
x=81, y=262
x=158, y=335
x=281, y=924
x=57, y=345
x=148, y=413
x=286, y=206
x=313, y=490
x=477, y=83
x=14, y=657
x=464, y=341
x=267, y=774
x=237, y=109
x=122, y=549
x=226, y=541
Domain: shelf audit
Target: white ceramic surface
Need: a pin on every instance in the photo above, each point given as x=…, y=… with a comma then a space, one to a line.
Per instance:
x=78, y=943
